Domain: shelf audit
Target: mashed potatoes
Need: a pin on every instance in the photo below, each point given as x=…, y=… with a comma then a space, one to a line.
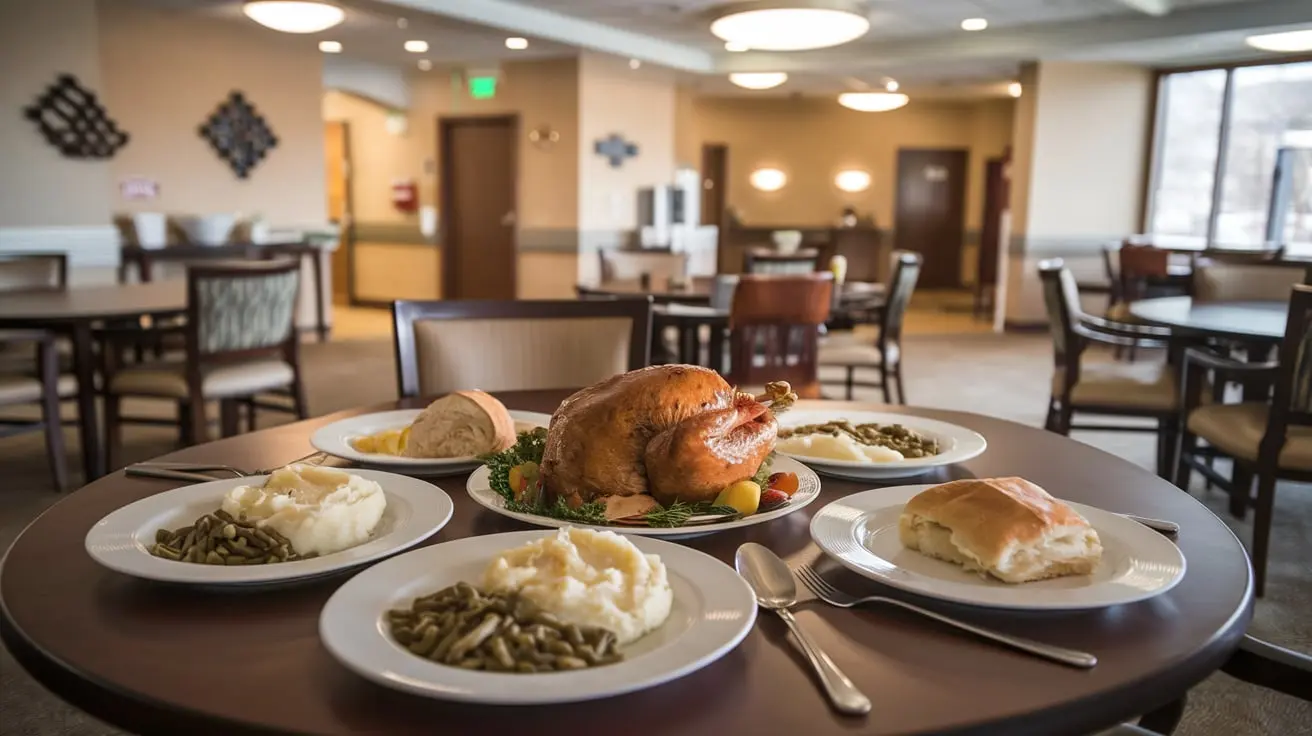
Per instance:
x=841, y=447
x=320, y=510
x=587, y=578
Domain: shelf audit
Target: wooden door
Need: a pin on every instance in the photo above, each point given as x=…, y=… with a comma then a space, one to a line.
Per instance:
x=930, y=217
x=477, y=195
x=715, y=161
x=337, y=171
x=990, y=236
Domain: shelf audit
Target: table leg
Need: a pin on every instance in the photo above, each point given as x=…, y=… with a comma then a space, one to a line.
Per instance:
x=321, y=321
x=84, y=367
x=716, y=359
x=688, y=347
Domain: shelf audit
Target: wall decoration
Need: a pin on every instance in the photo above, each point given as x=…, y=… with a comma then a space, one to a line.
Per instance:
x=238, y=134
x=615, y=148
x=71, y=118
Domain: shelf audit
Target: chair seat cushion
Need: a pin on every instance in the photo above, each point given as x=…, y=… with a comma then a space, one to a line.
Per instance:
x=846, y=352
x=169, y=379
x=1237, y=430
x=1147, y=386
x=21, y=389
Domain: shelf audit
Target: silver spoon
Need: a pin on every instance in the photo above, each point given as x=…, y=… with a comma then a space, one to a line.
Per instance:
x=775, y=589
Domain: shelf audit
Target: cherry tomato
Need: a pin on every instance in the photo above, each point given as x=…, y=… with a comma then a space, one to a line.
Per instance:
x=772, y=499
x=786, y=482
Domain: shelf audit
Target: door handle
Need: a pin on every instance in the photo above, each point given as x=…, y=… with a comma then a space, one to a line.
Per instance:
x=508, y=219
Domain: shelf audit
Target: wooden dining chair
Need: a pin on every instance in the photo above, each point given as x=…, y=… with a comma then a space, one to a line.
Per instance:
x=885, y=354
x=764, y=260
x=241, y=341
x=47, y=388
x=1106, y=389
x=1267, y=439
x=23, y=273
x=444, y=346
x=1238, y=282
x=774, y=330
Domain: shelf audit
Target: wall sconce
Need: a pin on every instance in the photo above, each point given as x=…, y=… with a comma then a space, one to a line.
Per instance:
x=544, y=136
x=853, y=180
x=768, y=180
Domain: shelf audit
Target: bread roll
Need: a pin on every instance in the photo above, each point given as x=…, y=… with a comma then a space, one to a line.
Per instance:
x=461, y=424
x=1007, y=528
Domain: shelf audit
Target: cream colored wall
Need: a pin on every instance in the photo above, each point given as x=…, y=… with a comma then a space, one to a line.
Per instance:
x=387, y=271
x=377, y=156
x=811, y=140
x=39, y=186
x=166, y=72
x=547, y=275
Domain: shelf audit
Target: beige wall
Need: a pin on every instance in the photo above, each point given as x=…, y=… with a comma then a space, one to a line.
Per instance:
x=165, y=73
x=811, y=140
x=39, y=186
x=377, y=156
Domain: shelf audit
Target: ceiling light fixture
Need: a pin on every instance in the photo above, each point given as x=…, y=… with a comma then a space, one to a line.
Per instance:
x=767, y=27
x=515, y=43
x=853, y=180
x=736, y=48
x=330, y=47
x=294, y=16
x=891, y=85
x=1287, y=42
x=974, y=24
x=402, y=23
x=1015, y=89
x=416, y=47
x=634, y=63
x=872, y=101
x=758, y=80
x=768, y=180
x=425, y=65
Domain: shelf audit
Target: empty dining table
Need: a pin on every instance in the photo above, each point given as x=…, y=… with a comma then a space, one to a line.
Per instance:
x=75, y=312
x=169, y=659
x=1253, y=321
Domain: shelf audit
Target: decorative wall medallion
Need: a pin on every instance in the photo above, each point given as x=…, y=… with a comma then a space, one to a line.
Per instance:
x=73, y=120
x=238, y=134
x=615, y=148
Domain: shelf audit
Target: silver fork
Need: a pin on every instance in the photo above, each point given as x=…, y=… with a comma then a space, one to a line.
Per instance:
x=835, y=597
x=194, y=471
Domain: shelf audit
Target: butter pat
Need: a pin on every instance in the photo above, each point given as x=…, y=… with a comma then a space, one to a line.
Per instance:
x=320, y=510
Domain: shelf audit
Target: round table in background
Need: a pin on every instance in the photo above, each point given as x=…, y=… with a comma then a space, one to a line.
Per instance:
x=167, y=659
x=1252, y=321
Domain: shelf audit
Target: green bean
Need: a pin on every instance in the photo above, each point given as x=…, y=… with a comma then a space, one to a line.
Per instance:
x=570, y=663
x=424, y=645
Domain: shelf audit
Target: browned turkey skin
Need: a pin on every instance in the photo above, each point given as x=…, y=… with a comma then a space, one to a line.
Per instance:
x=678, y=432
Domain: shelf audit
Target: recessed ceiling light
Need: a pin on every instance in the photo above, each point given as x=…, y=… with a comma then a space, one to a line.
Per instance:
x=1289, y=41
x=294, y=16
x=516, y=43
x=416, y=47
x=891, y=85
x=1015, y=89
x=425, y=65
x=974, y=24
x=735, y=48
x=768, y=180
x=330, y=47
x=791, y=29
x=758, y=80
x=872, y=101
x=634, y=63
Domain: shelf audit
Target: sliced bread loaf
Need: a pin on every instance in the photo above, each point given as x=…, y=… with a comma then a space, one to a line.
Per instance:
x=461, y=424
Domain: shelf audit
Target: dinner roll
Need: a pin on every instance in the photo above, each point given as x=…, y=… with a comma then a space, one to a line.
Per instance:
x=461, y=424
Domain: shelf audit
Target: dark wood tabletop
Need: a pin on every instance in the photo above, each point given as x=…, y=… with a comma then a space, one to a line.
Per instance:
x=1250, y=320
x=92, y=303
x=160, y=659
x=698, y=290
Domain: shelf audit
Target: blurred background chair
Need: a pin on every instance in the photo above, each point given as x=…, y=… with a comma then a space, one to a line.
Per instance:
x=1237, y=282
x=241, y=340
x=1144, y=390
x=444, y=346
x=885, y=353
x=28, y=272
x=774, y=330
x=624, y=265
x=764, y=260
x=47, y=388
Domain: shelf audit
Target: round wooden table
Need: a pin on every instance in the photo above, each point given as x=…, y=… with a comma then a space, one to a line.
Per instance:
x=1248, y=321
x=159, y=659
x=73, y=312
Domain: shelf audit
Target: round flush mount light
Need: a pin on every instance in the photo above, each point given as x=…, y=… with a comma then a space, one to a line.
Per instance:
x=416, y=47
x=758, y=80
x=735, y=48
x=515, y=43
x=330, y=47
x=768, y=180
x=766, y=26
x=974, y=24
x=891, y=85
x=853, y=180
x=1287, y=42
x=1015, y=89
x=294, y=16
x=872, y=101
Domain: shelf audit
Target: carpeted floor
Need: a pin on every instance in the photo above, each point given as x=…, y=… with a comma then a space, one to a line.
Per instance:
x=1004, y=376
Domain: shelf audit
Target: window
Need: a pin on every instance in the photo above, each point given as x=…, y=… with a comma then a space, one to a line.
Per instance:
x=1203, y=135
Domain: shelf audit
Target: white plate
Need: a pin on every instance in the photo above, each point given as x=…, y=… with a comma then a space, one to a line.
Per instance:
x=335, y=439
x=959, y=444
x=713, y=610
x=415, y=510
x=860, y=531
x=808, y=489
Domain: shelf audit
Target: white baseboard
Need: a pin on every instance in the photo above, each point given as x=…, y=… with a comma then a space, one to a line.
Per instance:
x=86, y=245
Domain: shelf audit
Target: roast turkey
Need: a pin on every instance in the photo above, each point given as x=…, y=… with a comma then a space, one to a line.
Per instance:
x=676, y=432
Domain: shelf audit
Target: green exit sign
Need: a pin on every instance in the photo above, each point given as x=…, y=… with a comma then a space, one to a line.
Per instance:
x=482, y=88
